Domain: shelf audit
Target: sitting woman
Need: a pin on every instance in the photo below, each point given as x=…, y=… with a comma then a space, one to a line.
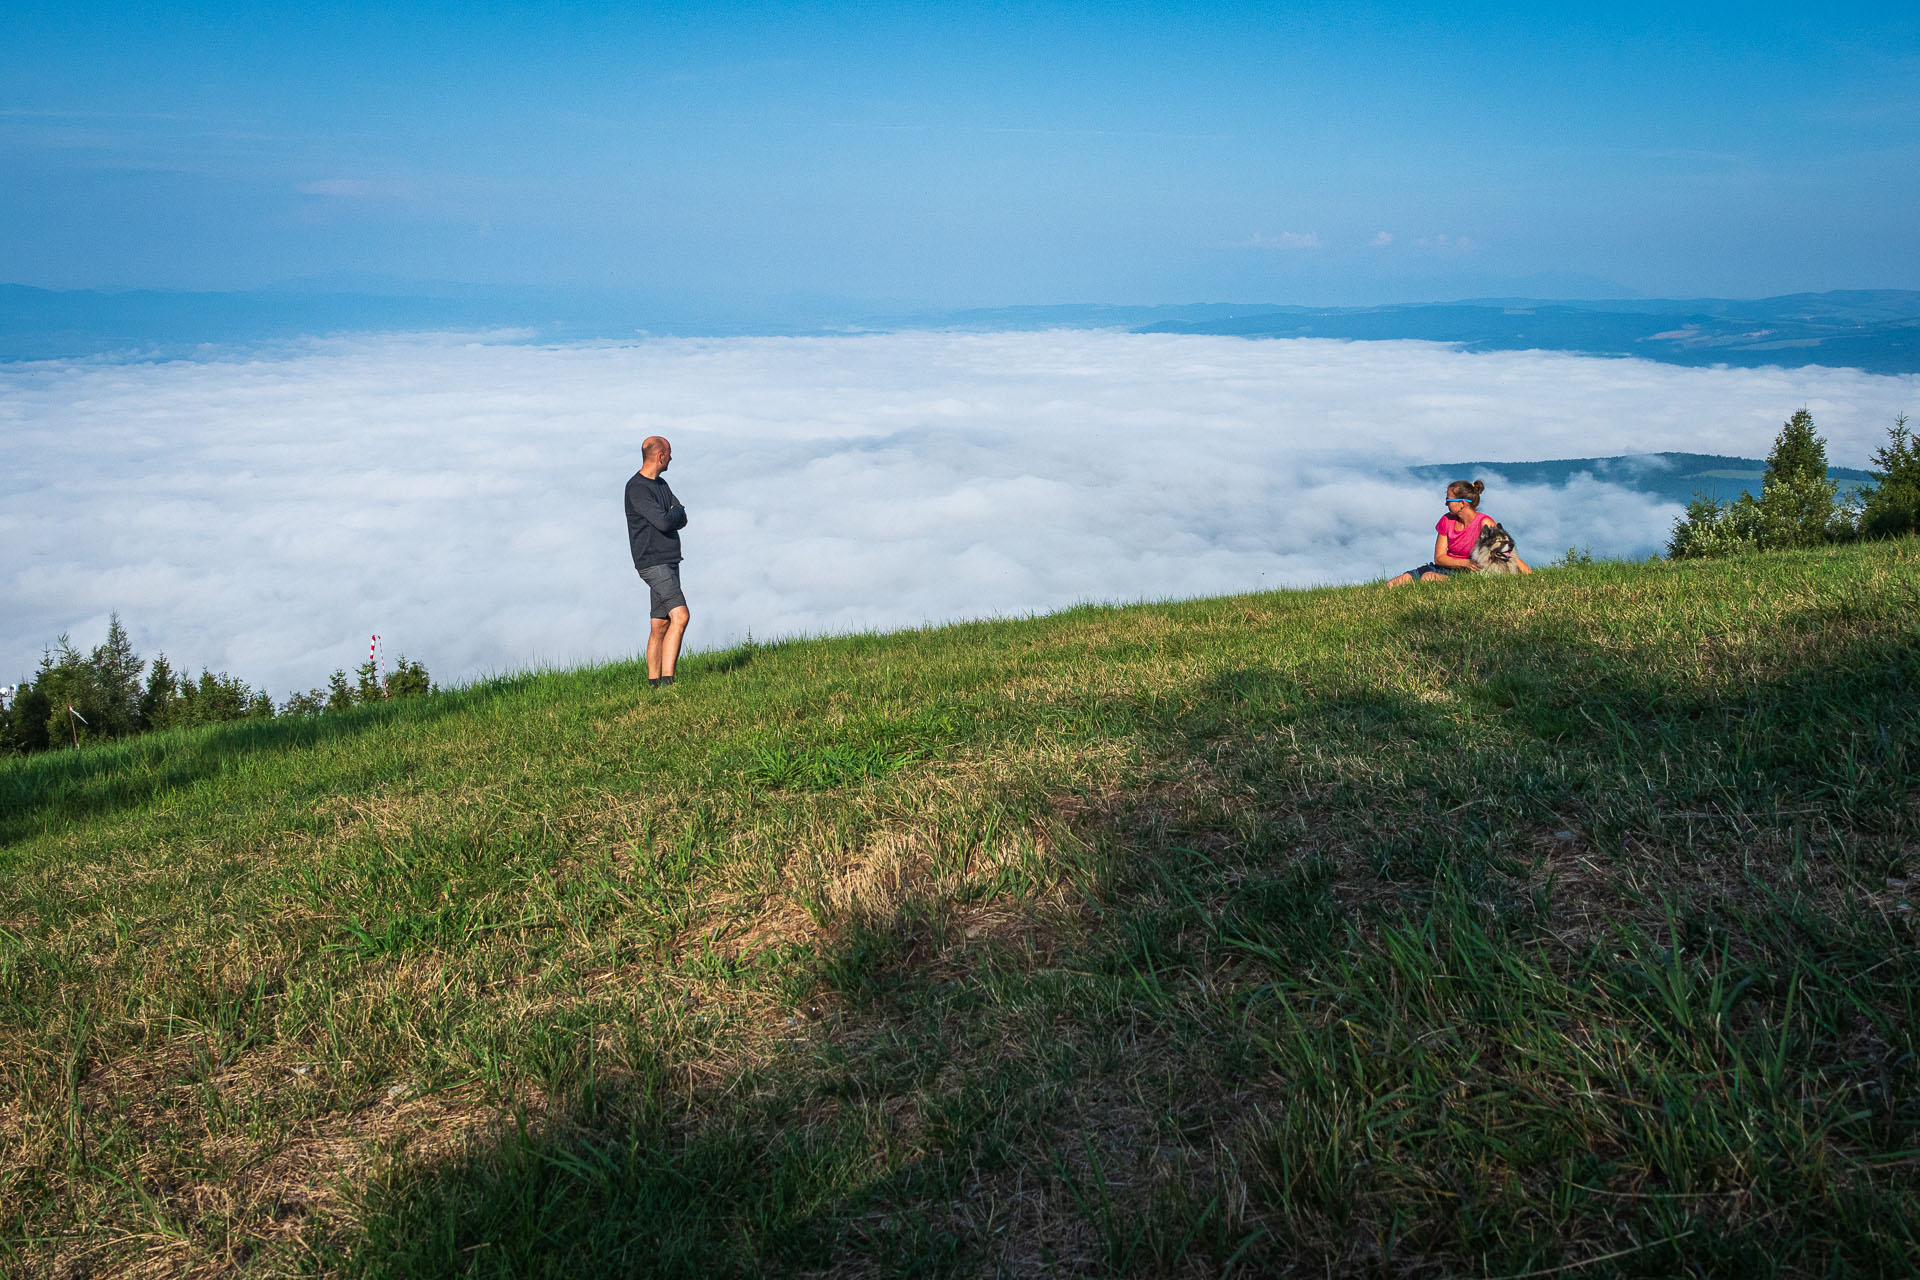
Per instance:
x=1454, y=537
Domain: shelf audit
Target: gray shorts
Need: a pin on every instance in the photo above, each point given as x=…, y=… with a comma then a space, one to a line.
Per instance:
x=663, y=581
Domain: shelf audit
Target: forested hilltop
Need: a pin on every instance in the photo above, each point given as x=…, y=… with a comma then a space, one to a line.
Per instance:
x=1504, y=926
x=111, y=692
x=1876, y=330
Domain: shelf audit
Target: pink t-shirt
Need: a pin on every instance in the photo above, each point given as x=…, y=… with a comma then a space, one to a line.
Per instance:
x=1460, y=539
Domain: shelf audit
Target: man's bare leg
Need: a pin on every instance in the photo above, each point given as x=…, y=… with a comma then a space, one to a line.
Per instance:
x=655, y=642
x=670, y=630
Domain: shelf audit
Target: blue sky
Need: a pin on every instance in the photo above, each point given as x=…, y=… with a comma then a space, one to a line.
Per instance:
x=960, y=155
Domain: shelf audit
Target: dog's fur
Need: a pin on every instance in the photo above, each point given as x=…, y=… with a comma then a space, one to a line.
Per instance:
x=1493, y=553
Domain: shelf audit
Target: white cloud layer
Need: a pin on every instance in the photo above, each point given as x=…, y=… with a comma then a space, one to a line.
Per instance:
x=264, y=514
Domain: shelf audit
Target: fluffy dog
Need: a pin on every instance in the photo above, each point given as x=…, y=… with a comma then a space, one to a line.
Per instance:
x=1493, y=553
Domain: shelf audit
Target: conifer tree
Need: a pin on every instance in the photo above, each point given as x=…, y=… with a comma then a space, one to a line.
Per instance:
x=1799, y=452
x=157, y=703
x=1893, y=506
x=1797, y=501
x=369, y=688
x=116, y=671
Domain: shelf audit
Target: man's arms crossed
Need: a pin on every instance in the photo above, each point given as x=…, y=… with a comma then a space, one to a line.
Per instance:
x=658, y=507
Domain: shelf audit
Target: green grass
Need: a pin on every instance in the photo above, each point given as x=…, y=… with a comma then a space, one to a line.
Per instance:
x=1552, y=926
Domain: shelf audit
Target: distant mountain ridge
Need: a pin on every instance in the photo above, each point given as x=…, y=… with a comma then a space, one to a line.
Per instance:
x=1675, y=477
x=1874, y=330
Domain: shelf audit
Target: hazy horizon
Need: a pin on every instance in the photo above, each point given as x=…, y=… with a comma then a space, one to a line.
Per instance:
x=1542, y=287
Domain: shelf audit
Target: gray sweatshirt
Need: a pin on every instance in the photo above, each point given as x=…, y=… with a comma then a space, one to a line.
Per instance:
x=654, y=520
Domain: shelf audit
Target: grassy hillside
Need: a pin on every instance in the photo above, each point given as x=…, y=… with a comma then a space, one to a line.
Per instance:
x=1493, y=927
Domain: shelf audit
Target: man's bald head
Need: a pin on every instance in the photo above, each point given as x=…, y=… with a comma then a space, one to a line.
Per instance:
x=655, y=454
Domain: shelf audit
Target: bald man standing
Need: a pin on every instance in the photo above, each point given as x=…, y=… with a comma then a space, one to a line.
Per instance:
x=654, y=520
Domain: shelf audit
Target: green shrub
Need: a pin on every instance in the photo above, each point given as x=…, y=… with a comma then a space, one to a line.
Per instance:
x=23, y=725
x=310, y=703
x=1798, y=505
x=1713, y=529
x=409, y=680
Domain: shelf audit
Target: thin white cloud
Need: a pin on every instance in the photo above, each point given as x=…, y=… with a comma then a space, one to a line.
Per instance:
x=1381, y=239
x=264, y=514
x=1289, y=240
x=351, y=188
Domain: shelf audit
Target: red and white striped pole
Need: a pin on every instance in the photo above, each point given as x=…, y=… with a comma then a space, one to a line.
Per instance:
x=376, y=660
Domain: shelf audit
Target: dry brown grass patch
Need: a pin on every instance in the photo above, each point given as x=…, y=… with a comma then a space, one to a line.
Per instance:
x=267, y=1193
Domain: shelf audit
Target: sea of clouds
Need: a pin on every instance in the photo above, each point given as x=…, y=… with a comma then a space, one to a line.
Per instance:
x=262, y=513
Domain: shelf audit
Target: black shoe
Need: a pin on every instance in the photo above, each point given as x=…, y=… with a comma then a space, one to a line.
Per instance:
x=653, y=682
x=666, y=680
